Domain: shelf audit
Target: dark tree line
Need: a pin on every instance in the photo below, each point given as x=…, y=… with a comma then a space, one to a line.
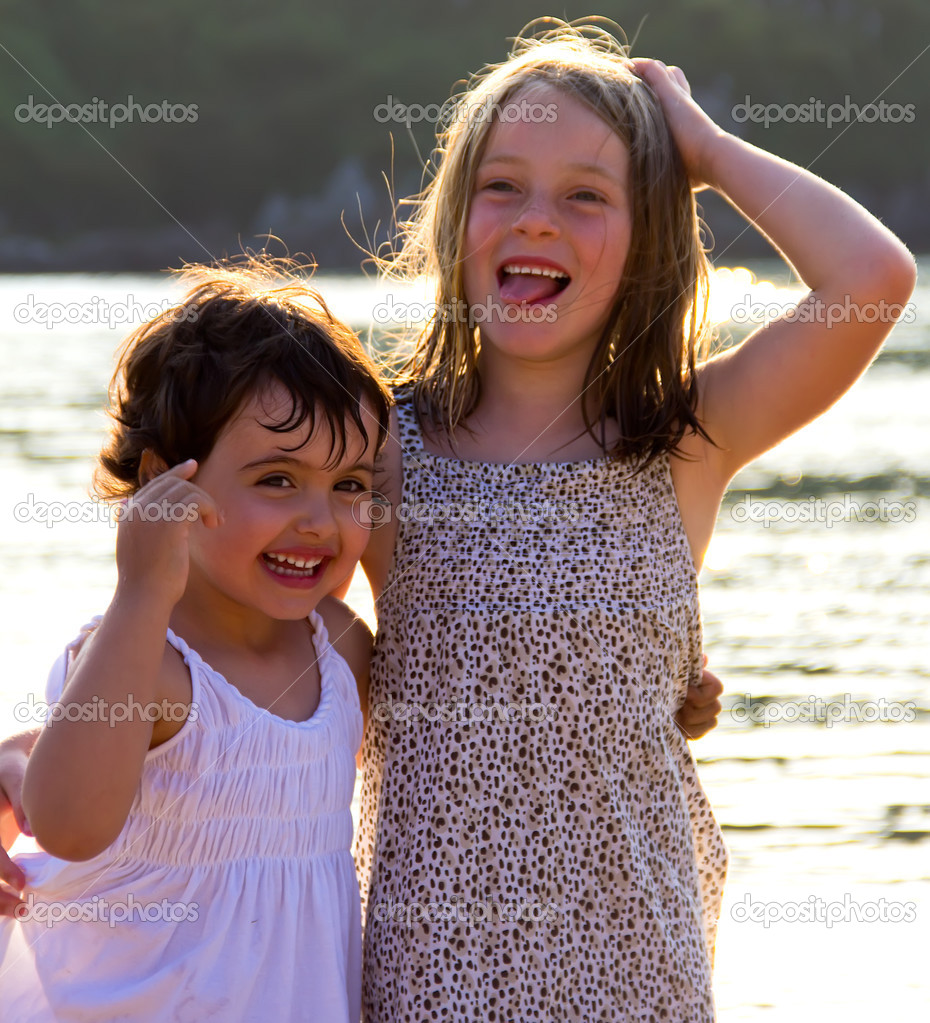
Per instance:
x=284, y=105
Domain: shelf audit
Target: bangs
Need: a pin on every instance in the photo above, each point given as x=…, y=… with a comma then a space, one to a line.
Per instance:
x=247, y=329
x=331, y=408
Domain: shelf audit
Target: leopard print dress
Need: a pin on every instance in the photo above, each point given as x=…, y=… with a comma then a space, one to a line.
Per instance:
x=535, y=843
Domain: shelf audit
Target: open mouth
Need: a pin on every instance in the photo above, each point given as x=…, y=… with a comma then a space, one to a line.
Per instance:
x=288, y=566
x=527, y=285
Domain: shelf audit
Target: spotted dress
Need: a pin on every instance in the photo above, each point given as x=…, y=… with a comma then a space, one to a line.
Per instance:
x=535, y=843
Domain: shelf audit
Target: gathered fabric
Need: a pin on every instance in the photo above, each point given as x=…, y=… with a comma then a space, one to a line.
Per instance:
x=230, y=893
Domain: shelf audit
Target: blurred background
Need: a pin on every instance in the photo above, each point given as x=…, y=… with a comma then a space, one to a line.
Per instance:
x=208, y=125
x=289, y=132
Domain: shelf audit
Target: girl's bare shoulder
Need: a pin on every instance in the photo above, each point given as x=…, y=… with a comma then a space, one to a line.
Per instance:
x=349, y=635
x=174, y=688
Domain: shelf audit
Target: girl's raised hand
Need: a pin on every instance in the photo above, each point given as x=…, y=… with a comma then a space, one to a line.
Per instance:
x=154, y=529
x=694, y=132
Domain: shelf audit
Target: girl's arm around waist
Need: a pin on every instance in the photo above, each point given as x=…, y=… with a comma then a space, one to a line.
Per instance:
x=14, y=753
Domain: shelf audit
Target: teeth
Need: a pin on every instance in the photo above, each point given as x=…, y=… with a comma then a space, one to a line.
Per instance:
x=538, y=271
x=286, y=559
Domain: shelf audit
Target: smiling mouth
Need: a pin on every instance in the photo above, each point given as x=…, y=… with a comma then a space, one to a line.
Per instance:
x=290, y=567
x=529, y=284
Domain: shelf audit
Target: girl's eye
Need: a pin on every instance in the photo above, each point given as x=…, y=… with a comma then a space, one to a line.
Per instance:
x=587, y=195
x=353, y=486
x=276, y=480
x=499, y=186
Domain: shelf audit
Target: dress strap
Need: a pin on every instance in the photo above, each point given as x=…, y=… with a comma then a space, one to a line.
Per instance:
x=411, y=439
x=199, y=669
x=320, y=635
x=179, y=644
x=334, y=670
x=55, y=684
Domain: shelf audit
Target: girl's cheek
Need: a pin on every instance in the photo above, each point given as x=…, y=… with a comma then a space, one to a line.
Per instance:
x=484, y=221
x=351, y=519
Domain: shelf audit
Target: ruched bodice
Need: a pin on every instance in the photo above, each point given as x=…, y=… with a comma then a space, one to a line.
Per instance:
x=238, y=843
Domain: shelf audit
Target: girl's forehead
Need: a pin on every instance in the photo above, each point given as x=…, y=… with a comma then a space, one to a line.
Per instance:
x=259, y=419
x=547, y=121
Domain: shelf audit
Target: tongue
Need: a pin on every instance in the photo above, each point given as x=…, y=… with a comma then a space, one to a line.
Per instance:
x=528, y=288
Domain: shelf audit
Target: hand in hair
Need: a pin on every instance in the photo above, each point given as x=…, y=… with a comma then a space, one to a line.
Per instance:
x=151, y=545
x=691, y=128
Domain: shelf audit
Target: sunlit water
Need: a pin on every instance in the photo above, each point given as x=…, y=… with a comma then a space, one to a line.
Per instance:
x=812, y=614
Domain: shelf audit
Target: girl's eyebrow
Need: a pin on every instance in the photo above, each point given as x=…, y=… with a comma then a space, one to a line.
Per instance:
x=279, y=459
x=586, y=168
x=273, y=459
x=368, y=467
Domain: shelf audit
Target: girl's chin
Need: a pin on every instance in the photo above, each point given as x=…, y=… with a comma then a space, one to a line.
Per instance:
x=536, y=341
x=511, y=314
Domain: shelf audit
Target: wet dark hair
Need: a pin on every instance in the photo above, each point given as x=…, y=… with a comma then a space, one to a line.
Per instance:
x=244, y=326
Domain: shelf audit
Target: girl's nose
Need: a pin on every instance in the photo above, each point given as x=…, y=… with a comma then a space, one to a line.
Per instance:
x=317, y=518
x=537, y=217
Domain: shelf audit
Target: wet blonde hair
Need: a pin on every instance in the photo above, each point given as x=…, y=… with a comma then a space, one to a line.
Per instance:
x=642, y=373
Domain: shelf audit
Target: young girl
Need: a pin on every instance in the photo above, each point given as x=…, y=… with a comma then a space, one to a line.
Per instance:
x=565, y=864
x=192, y=785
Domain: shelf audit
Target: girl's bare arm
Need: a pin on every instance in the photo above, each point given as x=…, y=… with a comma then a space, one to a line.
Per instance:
x=352, y=640
x=859, y=274
x=379, y=554
x=84, y=771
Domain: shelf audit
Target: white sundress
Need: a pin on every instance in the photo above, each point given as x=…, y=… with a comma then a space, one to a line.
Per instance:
x=230, y=894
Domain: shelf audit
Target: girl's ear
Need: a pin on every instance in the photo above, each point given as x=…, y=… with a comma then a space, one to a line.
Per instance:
x=150, y=466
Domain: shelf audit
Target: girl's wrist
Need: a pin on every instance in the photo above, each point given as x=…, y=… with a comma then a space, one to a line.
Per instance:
x=139, y=599
x=714, y=156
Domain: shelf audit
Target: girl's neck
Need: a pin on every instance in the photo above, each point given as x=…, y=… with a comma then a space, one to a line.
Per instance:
x=210, y=623
x=534, y=414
